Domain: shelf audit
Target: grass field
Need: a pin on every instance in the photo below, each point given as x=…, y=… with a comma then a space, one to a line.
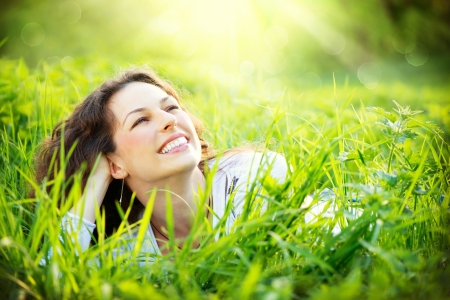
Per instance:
x=393, y=156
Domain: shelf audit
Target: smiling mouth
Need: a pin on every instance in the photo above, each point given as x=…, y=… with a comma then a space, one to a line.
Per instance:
x=176, y=143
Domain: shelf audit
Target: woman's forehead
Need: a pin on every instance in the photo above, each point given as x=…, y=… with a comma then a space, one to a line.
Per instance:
x=138, y=92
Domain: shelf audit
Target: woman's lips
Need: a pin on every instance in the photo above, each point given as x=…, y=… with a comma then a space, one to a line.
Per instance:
x=172, y=139
x=177, y=149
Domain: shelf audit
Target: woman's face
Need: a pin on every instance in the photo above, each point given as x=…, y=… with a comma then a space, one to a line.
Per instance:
x=154, y=138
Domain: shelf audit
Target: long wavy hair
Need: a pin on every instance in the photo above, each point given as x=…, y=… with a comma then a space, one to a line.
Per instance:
x=90, y=130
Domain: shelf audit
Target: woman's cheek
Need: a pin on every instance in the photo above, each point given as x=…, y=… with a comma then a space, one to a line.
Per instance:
x=135, y=140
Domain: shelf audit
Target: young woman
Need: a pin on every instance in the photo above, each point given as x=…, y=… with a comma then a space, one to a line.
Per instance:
x=142, y=139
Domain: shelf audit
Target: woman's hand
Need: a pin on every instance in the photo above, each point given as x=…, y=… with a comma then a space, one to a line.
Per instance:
x=95, y=189
x=101, y=170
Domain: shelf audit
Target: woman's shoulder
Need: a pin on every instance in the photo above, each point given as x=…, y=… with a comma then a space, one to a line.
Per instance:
x=251, y=161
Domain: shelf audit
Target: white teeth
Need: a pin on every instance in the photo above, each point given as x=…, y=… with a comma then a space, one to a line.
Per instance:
x=173, y=144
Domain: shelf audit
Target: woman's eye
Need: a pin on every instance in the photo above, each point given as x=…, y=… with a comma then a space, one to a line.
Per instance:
x=172, y=107
x=139, y=121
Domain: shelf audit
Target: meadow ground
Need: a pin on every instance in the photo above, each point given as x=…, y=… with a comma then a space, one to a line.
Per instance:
x=387, y=163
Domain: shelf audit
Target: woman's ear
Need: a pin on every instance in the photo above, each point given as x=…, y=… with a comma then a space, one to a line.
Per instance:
x=116, y=168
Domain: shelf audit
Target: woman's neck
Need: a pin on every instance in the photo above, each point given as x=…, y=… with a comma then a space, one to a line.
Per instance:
x=183, y=191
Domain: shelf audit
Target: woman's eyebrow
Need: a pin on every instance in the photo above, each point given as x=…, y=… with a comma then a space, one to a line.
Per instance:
x=164, y=99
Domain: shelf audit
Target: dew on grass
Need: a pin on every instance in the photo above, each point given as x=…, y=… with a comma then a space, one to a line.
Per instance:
x=276, y=37
x=69, y=12
x=369, y=74
x=33, y=34
x=272, y=89
x=185, y=44
x=67, y=63
x=417, y=54
x=273, y=62
x=310, y=83
x=402, y=39
x=170, y=21
x=247, y=67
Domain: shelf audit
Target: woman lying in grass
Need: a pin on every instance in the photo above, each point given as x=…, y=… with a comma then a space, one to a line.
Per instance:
x=137, y=137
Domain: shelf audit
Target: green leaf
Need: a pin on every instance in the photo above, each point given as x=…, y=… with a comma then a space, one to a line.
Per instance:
x=406, y=134
x=22, y=70
x=3, y=41
x=391, y=179
x=379, y=111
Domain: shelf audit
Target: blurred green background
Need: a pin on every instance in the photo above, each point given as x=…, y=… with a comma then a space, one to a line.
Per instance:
x=238, y=37
x=391, y=49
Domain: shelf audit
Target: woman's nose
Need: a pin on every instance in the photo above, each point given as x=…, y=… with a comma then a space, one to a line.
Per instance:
x=168, y=121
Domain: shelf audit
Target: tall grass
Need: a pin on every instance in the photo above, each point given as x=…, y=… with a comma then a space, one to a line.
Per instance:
x=387, y=169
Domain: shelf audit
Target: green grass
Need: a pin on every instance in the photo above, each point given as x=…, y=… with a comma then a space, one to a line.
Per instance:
x=345, y=138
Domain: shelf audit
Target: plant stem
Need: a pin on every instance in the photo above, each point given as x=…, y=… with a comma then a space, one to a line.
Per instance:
x=391, y=154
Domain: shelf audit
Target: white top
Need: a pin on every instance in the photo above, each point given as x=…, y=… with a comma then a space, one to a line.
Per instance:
x=235, y=174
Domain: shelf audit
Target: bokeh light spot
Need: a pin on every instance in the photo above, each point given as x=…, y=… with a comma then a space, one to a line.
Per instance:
x=276, y=38
x=417, y=54
x=33, y=34
x=333, y=43
x=296, y=64
x=246, y=67
x=53, y=60
x=69, y=12
x=216, y=72
x=170, y=21
x=185, y=44
x=310, y=83
x=227, y=79
x=273, y=62
x=402, y=39
x=67, y=63
x=369, y=74
x=143, y=42
x=244, y=80
x=272, y=89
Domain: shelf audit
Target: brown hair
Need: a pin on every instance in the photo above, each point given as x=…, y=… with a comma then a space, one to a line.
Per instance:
x=91, y=128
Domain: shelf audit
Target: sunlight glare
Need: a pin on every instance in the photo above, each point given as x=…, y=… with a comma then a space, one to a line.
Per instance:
x=273, y=62
x=331, y=41
x=170, y=21
x=185, y=44
x=276, y=38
